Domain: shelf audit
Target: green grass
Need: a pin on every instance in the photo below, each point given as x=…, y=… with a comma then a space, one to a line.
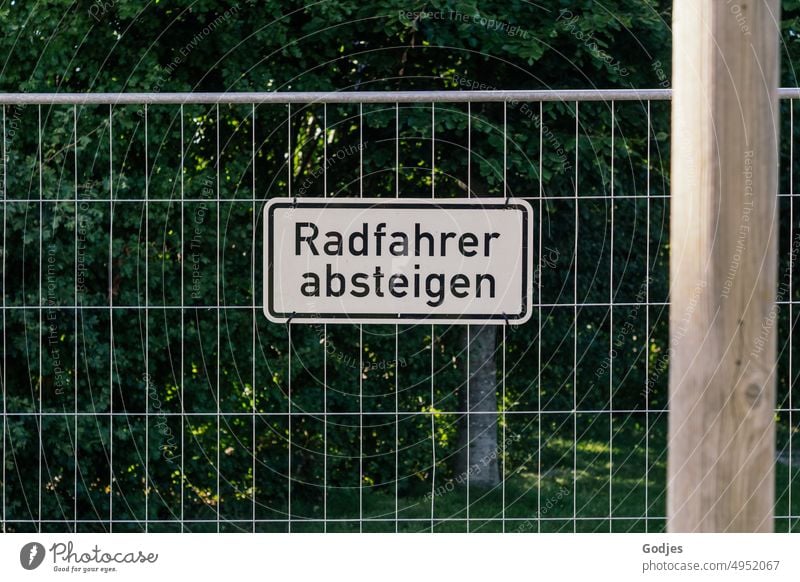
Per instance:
x=568, y=484
x=541, y=502
x=542, y=490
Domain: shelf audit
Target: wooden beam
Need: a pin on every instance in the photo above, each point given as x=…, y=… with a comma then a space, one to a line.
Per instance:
x=723, y=266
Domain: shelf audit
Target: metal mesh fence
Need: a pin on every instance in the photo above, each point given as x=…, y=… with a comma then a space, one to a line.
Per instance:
x=144, y=390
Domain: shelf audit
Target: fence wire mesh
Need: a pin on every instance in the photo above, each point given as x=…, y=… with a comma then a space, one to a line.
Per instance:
x=144, y=390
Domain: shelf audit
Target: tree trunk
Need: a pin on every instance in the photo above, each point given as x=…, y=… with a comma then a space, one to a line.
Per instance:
x=478, y=456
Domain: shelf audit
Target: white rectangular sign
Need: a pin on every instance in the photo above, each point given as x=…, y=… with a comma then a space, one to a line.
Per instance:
x=379, y=260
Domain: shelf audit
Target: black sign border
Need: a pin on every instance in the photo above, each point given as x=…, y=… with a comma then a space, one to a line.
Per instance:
x=395, y=203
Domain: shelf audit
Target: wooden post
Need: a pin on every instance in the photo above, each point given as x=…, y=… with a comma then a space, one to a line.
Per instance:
x=723, y=269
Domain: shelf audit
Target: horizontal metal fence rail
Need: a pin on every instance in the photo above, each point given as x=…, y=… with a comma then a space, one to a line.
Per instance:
x=310, y=97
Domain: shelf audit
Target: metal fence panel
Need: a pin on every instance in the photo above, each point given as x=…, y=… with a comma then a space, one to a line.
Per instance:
x=143, y=389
